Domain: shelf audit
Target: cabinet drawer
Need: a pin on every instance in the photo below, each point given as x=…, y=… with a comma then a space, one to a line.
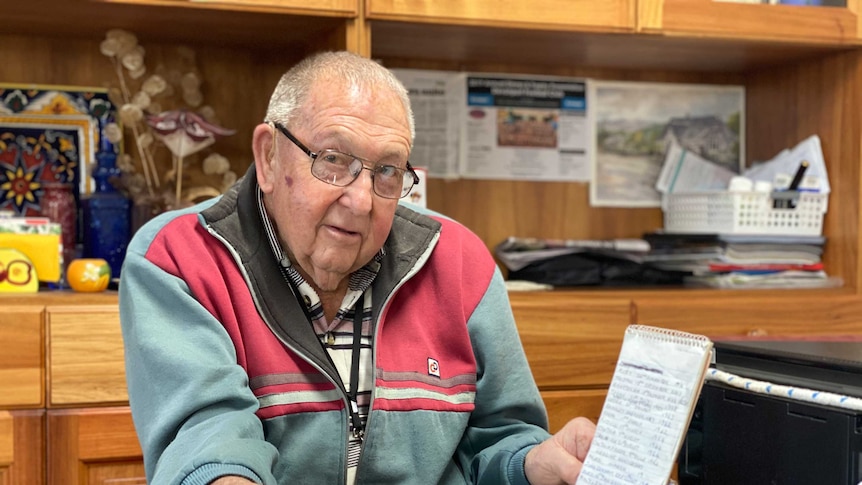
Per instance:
x=608, y=15
x=21, y=368
x=94, y=446
x=85, y=355
x=565, y=405
x=571, y=341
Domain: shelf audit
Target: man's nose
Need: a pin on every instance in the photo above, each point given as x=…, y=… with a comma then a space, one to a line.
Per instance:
x=361, y=191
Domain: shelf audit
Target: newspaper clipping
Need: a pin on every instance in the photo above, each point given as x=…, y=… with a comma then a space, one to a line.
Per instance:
x=525, y=128
x=435, y=99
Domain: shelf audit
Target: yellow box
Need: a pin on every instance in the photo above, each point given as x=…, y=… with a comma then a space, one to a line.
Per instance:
x=42, y=249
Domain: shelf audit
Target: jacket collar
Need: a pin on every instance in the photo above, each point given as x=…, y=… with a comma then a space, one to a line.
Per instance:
x=236, y=220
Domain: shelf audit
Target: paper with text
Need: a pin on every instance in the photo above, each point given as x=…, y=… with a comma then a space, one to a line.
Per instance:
x=653, y=392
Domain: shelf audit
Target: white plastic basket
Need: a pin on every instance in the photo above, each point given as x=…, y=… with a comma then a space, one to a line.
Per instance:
x=743, y=213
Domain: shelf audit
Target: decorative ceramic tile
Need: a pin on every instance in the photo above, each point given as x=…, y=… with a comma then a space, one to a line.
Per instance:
x=50, y=101
x=55, y=100
x=32, y=154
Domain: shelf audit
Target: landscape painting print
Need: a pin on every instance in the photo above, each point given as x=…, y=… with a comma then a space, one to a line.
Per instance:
x=635, y=123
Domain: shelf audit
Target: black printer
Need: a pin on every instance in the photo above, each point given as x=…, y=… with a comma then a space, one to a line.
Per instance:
x=739, y=437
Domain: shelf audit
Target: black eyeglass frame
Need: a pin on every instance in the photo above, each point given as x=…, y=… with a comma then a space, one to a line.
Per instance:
x=313, y=155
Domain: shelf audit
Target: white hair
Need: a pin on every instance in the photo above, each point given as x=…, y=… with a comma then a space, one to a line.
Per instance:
x=356, y=71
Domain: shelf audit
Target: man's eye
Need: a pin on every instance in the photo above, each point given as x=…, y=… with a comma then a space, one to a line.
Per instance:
x=335, y=158
x=387, y=170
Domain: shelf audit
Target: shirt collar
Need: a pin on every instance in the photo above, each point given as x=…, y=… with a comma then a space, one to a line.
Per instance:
x=360, y=279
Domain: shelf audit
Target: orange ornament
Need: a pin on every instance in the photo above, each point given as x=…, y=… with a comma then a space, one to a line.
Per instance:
x=88, y=274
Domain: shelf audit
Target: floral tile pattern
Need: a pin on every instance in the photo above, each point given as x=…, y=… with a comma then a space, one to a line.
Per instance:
x=48, y=134
x=31, y=156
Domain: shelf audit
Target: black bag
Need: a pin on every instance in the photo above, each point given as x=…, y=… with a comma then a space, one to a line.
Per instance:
x=595, y=269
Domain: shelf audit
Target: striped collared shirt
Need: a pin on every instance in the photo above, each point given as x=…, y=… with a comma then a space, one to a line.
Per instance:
x=337, y=336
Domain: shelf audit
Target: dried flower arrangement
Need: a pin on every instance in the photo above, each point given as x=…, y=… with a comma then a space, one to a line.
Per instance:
x=163, y=109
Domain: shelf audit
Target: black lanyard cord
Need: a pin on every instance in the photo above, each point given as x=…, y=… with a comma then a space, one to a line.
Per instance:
x=358, y=430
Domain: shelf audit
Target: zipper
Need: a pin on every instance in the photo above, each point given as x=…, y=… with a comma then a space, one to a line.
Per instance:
x=420, y=263
x=351, y=406
x=336, y=382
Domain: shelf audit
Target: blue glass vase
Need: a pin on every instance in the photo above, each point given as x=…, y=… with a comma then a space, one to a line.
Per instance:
x=107, y=225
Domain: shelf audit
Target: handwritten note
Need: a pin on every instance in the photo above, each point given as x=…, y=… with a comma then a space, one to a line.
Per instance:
x=653, y=391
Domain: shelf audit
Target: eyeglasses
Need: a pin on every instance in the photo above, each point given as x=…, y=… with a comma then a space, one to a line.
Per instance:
x=341, y=169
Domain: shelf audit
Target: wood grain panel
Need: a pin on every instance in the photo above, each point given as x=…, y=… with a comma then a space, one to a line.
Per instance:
x=237, y=83
x=85, y=355
x=774, y=22
x=7, y=440
x=608, y=15
x=629, y=54
x=99, y=444
x=21, y=362
x=22, y=447
x=570, y=341
x=787, y=104
x=566, y=405
x=318, y=7
x=748, y=314
x=231, y=23
x=116, y=473
x=534, y=209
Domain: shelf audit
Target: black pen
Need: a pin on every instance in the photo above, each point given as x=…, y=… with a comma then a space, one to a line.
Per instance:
x=794, y=185
x=797, y=178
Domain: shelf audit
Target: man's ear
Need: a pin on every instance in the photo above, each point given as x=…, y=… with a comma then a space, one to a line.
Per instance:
x=263, y=147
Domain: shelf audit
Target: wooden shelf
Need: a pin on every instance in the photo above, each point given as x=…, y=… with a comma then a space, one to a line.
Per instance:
x=245, y=24
x=590, y=15
x=790, y=23
x=801, y=68
x=461, y=44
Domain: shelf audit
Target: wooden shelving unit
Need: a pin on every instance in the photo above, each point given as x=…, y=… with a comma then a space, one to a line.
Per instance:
x=801, y=67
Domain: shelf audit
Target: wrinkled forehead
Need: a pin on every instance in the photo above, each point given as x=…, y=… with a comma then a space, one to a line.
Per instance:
x=365, y=100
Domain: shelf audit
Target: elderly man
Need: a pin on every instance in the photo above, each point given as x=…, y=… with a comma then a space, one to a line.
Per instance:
x=306, y=328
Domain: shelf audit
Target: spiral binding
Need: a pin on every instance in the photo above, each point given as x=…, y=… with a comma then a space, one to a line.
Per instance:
x=668, y=335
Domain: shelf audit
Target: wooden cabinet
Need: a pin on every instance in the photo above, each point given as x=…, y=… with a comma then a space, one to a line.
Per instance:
x=335, y=8
x=572, y=345
x=66, y=351
x=802, y=72
x=21, y=362
x=85, y=356
x=7, y=447
x=609, y=15
x=823, y=25
x=22, y=395
x=22, y=447
x=93, y=446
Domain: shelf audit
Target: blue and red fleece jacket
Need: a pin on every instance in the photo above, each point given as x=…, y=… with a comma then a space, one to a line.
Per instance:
x=226, y=375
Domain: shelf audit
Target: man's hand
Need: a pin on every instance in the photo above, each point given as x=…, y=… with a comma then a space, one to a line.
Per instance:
x=559, y=459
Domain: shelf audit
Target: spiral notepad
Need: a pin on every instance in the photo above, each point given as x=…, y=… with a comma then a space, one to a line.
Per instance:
x=650, y=401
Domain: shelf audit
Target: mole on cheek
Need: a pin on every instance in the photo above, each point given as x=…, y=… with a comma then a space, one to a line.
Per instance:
x=288, y=180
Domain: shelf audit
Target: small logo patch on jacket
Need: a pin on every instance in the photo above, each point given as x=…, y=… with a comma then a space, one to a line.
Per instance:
x=433, y=367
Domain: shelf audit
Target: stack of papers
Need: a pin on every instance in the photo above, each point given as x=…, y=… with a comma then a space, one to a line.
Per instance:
x=686, y=172
x=734, y=261
x=780, y=169
x=517, y=252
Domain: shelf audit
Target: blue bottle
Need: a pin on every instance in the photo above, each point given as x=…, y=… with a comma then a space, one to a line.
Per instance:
x=106, y=214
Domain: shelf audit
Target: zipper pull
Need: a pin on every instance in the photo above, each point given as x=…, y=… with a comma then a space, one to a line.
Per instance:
x=357, y=430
